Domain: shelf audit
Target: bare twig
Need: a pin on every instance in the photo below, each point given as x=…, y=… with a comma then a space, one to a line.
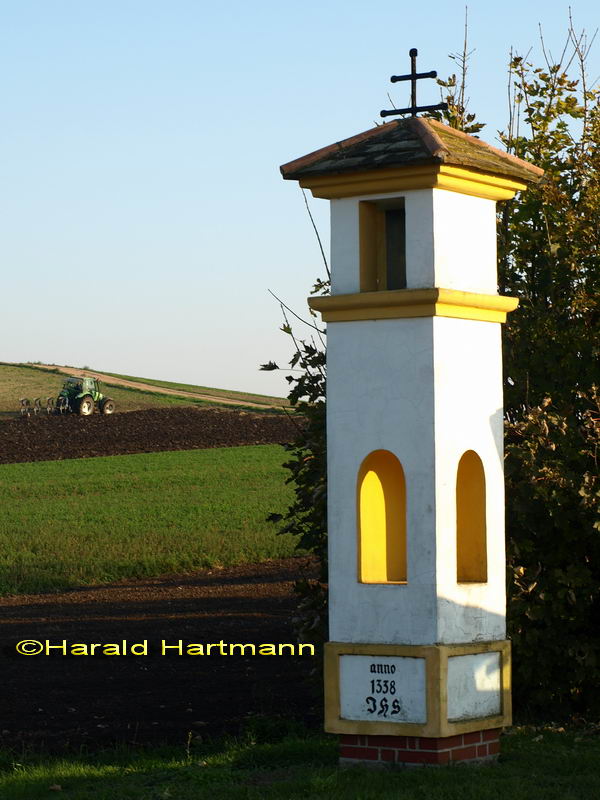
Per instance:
x=291, y=417
x=315, y=346
x=581, y=51
x=523, y=84
x=554, y=73
x=301, y=358
x=320, y=339
x=511, y=105
x=317, y=235
x=464, y=64
x=281, y=303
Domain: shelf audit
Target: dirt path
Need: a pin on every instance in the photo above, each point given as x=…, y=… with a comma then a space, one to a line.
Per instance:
x=151, y=387
x=67, y=701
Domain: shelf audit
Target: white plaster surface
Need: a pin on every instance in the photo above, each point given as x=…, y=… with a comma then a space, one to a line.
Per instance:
x=380, y=381
x=420, y=244
x=426, y=389
x=395, y=695
x=450, y=241
x=383, y=394
x=345, y=252
x=468, y=416
x=474, y=686
x=465, y=242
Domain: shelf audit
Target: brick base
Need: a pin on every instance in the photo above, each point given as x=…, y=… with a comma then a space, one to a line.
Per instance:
x=414, y=751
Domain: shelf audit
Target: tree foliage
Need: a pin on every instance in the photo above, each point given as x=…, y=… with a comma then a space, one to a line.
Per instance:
x=553, y=538
x=307, y=463
x=549, y=247
x=306, y=518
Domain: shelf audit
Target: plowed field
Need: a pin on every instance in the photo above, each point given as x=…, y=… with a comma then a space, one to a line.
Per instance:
x=52, y=438
x=62, y=702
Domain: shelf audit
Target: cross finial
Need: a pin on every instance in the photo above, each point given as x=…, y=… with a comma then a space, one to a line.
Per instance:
x=413, y=78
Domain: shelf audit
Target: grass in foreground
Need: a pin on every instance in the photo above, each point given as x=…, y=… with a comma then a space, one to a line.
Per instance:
x=552, y=766
x=95, y=520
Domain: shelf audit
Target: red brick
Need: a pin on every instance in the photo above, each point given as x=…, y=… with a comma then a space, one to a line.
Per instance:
x=491, y=735
x=360, y=753
x=463, y=753
x=482, y=750
x=472, y=738
x=422, y=757
x=386, y=741
x=453, y=741
x=387, y=755
x=494, y=748
x=349, y=738
x=440, y=743
x=412, y=742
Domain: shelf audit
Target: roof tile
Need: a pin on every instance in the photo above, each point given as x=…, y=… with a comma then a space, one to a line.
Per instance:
x=407, y=142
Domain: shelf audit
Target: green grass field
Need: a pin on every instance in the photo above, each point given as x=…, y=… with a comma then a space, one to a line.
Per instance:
x=533, y=766
x=94, y=520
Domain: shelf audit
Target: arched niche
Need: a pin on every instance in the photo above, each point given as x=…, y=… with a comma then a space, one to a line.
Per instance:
x=471, y=529
x=381, y=490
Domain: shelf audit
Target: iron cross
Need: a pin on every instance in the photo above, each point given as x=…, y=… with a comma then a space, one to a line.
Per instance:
x=413, y=78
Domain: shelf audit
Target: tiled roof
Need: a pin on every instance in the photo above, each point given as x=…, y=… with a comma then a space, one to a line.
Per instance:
x=407, y=142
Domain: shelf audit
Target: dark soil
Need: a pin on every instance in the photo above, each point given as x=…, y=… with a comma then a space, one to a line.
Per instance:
x=52, y=438
x=62, y=703
x=65, y=702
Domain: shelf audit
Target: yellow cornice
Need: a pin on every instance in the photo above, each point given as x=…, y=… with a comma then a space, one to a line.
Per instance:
x=401, y=303
x=398, y=179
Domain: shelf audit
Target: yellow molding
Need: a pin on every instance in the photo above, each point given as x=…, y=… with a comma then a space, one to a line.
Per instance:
x=486, y=185
x=479, y=184
x=402, y=303
x=436, y=685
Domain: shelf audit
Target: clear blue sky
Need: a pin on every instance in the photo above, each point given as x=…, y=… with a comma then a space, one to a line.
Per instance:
x=143, y=217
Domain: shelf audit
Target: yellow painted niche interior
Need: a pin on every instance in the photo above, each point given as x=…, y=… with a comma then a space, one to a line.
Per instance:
x=471, y=533
x=381, y=519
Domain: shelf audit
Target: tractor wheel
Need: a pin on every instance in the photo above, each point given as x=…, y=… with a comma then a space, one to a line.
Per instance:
x=108, y=406
x=86, y=406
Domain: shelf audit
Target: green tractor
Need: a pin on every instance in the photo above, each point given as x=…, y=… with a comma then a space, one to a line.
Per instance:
x=82, y=396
